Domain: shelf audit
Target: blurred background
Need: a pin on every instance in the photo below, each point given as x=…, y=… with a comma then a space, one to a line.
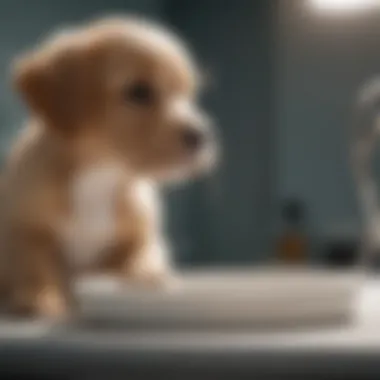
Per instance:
x=282, y=78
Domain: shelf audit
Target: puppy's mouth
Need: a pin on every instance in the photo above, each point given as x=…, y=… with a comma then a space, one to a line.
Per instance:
x=191, y=164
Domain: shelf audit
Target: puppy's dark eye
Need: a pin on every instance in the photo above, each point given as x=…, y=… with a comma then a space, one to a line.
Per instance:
x=140, y=93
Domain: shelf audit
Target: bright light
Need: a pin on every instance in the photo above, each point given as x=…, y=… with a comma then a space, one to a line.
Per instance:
x=345, y=5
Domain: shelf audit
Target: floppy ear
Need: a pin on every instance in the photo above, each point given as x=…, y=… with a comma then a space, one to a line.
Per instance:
x=54, y=82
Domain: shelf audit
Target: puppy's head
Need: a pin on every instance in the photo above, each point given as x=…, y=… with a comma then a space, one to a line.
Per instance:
x=127, y=85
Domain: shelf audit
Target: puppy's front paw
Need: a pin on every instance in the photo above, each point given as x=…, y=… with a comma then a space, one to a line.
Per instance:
x=147, y=274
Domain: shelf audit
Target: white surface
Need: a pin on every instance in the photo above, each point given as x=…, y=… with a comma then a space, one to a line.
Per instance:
x=363, y=333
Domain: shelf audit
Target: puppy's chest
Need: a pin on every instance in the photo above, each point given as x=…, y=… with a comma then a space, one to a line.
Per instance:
x=91, y=224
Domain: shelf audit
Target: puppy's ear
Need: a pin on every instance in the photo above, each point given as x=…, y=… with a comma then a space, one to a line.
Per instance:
x=54, y=82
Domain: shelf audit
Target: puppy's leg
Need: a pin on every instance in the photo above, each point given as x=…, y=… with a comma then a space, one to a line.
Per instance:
x=150, y=264
x=38, y=277
x=140, y=262
x=140, y=253
x=141, y=256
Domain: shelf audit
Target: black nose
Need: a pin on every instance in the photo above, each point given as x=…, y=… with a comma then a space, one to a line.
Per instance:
x=192, y=138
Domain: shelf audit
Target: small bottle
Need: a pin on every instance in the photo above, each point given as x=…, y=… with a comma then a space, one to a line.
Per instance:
x=292, y=244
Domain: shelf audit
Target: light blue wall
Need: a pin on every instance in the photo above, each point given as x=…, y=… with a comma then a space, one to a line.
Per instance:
x=284, y=101
x=322, y=60
x=229, y=213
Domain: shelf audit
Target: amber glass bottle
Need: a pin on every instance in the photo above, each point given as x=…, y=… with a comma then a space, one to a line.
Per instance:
x=292, y=243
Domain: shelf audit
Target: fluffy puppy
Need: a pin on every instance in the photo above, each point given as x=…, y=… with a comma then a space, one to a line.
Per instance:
x=113, y=115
